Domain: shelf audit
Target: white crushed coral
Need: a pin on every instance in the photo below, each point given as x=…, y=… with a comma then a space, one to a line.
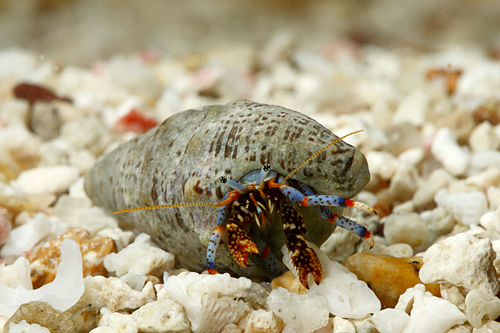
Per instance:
x=480, y=306
x=46, y=179
x=163, y=315
x=24, y=327
x=462, y=260
x=263, y=321
x=339, y=293
x=407, y=228
x=302, y=313
x=210, y=301
x=112, y=293
x=24, y=237
x=153, y=260
x=446, y=150
x=61, y=294
x=466, y=207
x=427, y=312
x=16, y=275
x=390, y=320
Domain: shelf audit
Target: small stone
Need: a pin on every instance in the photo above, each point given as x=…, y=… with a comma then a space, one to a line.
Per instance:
x=404, y=182
x=486, y=178
x=17, y=274
x=445, y=149
x=288, y=281
x=493, y=195
x=24, y=327
x=61, y=294
x=491, y=221
x=387, y=276
x=406, y=228
x=466, y=207
x=428, y=313
x=163, y=315
x=480, y=306
x=112, y=293
x=45, y=259
x=484, y=159
x=341, y=325
x=483, y=137
x=262, y=321
x=413, y=108
x=439, y=221
x=47, y=179
x=42, y=313
x=302, y=313
x=390, y=320
x=382, y=164
x=210, y=301
x=26, y=236
x=424, y=195
x=488, y=327
x=462, y=260
x=345, y=295
x=153, y=261
x=454, y=295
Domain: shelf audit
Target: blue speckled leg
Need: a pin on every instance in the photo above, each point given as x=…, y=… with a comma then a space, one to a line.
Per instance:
x=324, y=211
x=299, y=198
x=216, y=237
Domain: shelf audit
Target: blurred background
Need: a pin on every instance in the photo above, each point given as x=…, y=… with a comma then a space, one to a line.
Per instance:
x=81, y=31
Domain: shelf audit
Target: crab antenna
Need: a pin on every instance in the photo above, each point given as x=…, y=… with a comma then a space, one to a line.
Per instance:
x=294, y=171
x=191, y=204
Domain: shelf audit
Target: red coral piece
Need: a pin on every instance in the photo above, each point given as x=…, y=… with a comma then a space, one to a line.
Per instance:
x=135, y=121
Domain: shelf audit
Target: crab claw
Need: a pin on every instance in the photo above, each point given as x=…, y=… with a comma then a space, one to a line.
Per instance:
x=239, y=244
x=306, y=262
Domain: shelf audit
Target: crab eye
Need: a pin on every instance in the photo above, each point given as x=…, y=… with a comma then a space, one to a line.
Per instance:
x=266, y=167
x=223, y=179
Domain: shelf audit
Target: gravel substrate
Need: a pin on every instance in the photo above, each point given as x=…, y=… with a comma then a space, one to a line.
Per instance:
x=431, y=136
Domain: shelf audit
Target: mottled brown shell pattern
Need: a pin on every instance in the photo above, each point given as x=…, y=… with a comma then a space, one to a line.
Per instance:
x=182, y=159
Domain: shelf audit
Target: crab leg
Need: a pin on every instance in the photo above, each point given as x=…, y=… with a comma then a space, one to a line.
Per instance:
x=299, y=198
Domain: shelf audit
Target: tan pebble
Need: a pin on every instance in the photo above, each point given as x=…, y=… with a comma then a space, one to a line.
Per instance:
x=75, y=319
x=45, y=260
x=387, y=276
x=289, y=282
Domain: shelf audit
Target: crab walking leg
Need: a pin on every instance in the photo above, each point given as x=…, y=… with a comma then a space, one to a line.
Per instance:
x=353, y=227
x=216, y=237
x=304, y=258
x=324, y=211
x=299, y=198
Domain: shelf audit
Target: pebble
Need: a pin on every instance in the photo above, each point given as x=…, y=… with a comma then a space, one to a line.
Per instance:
x=465, y=207
x=446, y=150
x=210, y=301
x=111, y=292
x=390, y=320
x=262, y=321
x=344, y=294
x=483, y=138
x=94, y=249
x=25, y=237
x=47, y=179
x=427, y=189
x=428, y=313
x=481, y=306
x=153, y=261
x=404, y=182
x=462, y=260
x=61, y=294
x=387, y=276
x=406, y=228
x=412, y=109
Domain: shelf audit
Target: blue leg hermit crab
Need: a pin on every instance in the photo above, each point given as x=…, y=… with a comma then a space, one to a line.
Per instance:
x=272, y=164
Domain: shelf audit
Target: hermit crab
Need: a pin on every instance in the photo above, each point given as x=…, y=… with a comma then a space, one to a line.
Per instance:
x=260, y=175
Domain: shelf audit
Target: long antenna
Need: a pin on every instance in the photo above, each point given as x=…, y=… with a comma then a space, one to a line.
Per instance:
x=189, y=204
x=294, y=171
